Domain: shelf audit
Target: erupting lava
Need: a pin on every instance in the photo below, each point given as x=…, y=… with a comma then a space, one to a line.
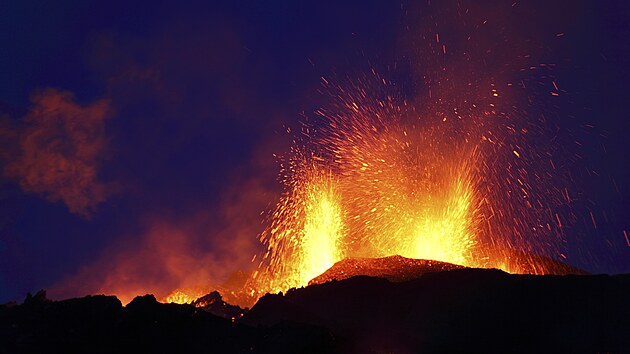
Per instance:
x=468, y=171
x=376, y=178
x=373, y=204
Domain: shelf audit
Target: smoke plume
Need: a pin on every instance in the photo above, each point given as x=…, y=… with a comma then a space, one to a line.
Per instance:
x=59, y=149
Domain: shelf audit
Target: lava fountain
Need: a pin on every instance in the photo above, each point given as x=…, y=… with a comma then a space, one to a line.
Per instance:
x=375, y=176
x=372, y=177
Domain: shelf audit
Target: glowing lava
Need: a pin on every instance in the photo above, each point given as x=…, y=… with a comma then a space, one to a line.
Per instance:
x=370, y=183
x=376, y=177
x=185, y=295
x=308, y=224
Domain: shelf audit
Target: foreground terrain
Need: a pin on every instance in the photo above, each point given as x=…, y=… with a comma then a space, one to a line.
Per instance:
x=456, y=310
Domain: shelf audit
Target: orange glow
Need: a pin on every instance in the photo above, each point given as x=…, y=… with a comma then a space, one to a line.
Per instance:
x=442, y=228
x=185, y=295
x=323, y=227
x=376, y=187
x=376, y=179
x=368, y=208
x=308, y=227
x=376, y=176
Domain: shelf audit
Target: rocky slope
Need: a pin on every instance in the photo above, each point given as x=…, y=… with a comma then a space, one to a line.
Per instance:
x=427, y=307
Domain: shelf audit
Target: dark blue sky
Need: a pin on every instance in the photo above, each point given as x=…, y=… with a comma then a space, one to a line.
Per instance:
x=199, y=95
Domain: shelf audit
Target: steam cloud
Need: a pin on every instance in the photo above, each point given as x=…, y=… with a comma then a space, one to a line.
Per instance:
x=59, y=149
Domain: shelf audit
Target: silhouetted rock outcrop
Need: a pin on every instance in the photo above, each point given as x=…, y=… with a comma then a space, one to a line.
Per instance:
x=460, y=310
x=214, y=304
x=75, y=325
x=100, y=324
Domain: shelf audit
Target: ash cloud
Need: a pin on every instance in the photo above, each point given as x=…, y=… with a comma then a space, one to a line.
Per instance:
x=58, y=151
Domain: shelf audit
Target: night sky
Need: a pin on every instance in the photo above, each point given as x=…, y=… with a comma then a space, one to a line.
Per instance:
x=138, y=137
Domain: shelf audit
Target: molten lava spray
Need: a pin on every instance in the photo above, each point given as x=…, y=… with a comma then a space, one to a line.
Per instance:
x=375, y=176
x=466, y=167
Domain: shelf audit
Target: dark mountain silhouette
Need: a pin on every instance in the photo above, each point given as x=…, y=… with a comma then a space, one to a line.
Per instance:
x=100, y=324
x=445, y=309
x=469, y=310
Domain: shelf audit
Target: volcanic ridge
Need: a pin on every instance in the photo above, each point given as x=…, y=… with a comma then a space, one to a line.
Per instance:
x=392, y=304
